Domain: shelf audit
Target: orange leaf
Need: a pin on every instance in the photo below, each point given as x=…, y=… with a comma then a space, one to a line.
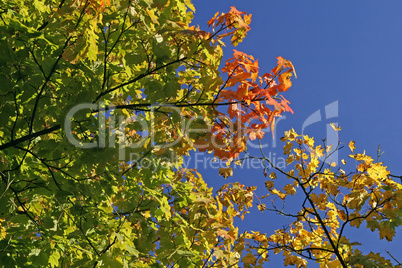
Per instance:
x=284, y=80
x=212, y=20
x=235, y=11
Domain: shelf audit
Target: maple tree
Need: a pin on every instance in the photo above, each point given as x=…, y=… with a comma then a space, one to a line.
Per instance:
x=101, y=102
x=94, y=95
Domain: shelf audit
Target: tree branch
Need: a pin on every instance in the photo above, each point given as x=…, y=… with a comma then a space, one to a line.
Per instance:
x=29, y=137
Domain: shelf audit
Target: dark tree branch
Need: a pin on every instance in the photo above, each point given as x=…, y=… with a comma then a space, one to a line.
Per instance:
x=29, y=137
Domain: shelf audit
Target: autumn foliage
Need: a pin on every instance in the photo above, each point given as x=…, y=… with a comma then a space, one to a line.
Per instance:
x=98, y=107
x=331, y=202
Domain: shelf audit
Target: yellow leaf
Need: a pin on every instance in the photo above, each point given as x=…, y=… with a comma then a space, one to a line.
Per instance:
x=378, y=171
x=318, y=151
x=262, y=207
x=308, y=141
x=290, y=135
x=334, y=264
x=278, y=193
x=146, y=214
x=190, y=5
x=335, y=127
x=152, y=15
x=290, y=159
x=289, y=189
x=352, y=145
x=329, y=148
x=287, y=147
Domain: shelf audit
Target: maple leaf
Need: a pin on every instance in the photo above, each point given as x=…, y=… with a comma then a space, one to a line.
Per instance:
x=261, y=207
x=278, y=193
x=226, y=172
x=213, y=19
x=284, y=104
x=249, y=259
x=269, y=185
x=225, y=234
x=290, y=135
x=256, y=134
x=284, y=81
x=378, y=171
x=336, y=128
x=235, y=11
x=386, y=230
x=286, y=64
x=240, y=55
x=352, y=145
x=289, y=189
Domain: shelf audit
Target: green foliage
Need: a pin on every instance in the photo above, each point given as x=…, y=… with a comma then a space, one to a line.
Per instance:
x=66, y=206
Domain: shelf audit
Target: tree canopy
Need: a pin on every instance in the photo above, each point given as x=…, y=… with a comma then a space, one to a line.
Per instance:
x=102, y=101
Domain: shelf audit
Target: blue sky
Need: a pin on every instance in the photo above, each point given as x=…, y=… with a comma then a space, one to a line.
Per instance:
x=347, y=52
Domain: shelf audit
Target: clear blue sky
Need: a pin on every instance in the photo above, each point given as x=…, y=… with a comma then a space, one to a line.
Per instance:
x=345, y=51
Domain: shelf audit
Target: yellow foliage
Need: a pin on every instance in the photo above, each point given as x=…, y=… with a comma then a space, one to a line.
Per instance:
x=290, y=135
x=352, y=146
